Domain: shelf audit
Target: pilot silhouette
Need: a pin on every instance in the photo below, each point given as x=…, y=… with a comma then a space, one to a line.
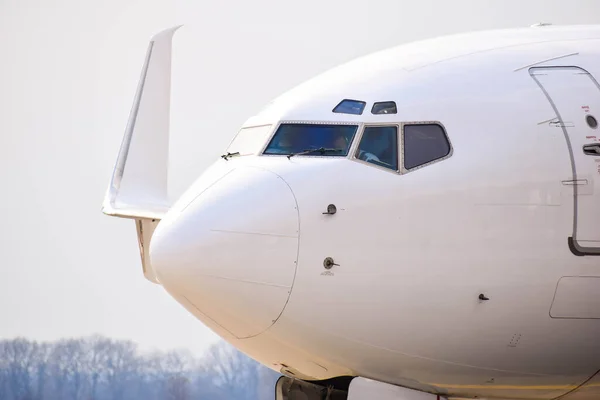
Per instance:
x=340, y=142
x=289, y=142
x=373, y=145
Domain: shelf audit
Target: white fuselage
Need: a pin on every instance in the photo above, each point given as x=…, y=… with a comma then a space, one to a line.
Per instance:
x=244, y=248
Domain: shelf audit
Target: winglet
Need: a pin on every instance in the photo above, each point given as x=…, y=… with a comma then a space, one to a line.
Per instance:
x=138, y=187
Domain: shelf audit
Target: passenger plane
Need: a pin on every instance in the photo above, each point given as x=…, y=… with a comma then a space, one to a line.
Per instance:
x=421, y=223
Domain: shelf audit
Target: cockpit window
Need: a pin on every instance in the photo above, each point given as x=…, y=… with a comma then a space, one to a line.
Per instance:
x=379, y=146
x=384, y=107
x=424, y=143
x=350, y=107
x=312, y=139
x=249, y=140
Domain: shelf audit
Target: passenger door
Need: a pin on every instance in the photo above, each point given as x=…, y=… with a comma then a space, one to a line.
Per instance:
x=574, y=95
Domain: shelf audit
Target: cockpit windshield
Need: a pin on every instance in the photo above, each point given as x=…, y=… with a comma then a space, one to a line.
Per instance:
x=312, y=139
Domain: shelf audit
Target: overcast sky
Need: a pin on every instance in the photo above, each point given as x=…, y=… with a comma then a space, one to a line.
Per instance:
x=68, y=72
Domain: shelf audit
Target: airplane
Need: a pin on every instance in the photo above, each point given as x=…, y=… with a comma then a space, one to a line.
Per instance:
x=419, y=223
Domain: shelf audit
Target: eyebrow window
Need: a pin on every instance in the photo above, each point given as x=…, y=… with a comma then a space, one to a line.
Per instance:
x=379, y=146
x=424, y=143
x=350, y=107
x=384, y=107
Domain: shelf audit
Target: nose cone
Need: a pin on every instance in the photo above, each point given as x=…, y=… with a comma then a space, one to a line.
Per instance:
x=232, y=251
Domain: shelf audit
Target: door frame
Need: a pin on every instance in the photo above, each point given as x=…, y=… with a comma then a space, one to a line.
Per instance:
x=575, y=247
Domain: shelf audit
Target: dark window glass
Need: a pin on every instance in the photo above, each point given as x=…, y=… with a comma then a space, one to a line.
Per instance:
x=384, y=107
x=379, y=146
x=423, y=144
x=350, y=107
x=312, y=139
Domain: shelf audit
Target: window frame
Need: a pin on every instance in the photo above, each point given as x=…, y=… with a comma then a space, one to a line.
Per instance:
x=402, y=149
x=362, y=111
x=382, y=102
x=358, y=140
x=400, y=132
x=359, y=126
x=259, y=149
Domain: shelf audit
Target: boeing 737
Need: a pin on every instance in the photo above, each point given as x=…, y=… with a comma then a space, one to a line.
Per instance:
x=420, y=223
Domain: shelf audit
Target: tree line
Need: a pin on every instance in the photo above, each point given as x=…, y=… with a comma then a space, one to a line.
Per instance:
x=99, y=368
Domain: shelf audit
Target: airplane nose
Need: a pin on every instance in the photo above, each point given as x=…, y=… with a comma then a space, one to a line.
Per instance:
x=232, y=251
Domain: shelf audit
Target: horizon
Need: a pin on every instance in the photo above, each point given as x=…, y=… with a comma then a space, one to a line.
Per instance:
x=99, y=368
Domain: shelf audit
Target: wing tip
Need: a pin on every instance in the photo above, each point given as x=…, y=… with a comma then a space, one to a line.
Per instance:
x=155, y=213
x=165, y=34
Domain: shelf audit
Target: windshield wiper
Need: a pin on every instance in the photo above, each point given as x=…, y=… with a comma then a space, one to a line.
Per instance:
x=226, y=156
x=321, y=150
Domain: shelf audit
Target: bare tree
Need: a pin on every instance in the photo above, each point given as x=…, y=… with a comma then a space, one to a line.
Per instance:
x=97, y=368
x=178, y=387
x=121, y=365
x=20, y=356
x=70, y=360
x=4, y=372
x=41, y=367
x=231, y=371
x=95, y=363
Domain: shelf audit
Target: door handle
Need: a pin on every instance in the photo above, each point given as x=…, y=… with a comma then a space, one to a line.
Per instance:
x=591, y=149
